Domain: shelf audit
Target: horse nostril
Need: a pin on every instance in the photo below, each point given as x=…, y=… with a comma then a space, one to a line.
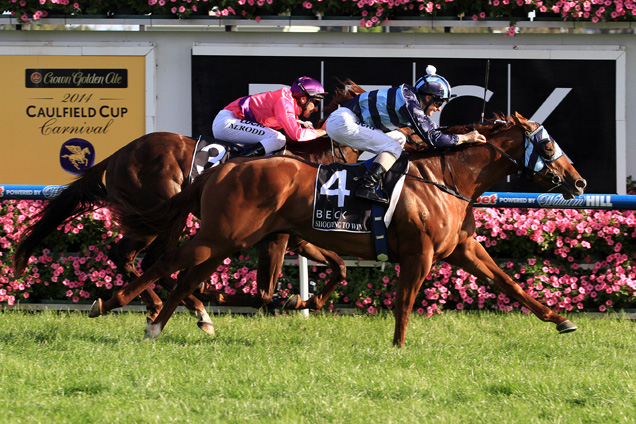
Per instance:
x=580, y=184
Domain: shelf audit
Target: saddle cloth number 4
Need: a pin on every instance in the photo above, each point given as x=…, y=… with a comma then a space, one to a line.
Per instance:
x=339, y=177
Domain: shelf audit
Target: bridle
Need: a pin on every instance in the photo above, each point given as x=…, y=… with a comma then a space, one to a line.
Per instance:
x=545, y=148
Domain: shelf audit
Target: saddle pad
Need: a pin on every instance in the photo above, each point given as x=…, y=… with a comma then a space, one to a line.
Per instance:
x=209, y=152
x=335, y=206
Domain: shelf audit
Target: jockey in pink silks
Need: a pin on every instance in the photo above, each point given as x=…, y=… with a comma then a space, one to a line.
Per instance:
x=256, y=119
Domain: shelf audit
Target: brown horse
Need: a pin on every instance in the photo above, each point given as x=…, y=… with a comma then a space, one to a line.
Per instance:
x=433, y=219
x=147, y=172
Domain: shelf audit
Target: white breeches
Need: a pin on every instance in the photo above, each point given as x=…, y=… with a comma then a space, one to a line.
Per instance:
x=344, y=127
x=228, y=127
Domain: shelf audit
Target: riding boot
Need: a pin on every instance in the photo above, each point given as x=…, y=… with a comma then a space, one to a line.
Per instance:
x=366, y=189
x=254, y=150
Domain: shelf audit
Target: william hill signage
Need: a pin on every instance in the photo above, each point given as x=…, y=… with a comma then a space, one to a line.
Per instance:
x=76, y=78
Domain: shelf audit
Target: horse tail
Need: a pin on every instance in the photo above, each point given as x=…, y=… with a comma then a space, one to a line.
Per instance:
x=167, y=218
x=83, y=195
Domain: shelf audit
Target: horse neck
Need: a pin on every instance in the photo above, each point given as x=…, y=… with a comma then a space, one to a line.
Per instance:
x=475, y=169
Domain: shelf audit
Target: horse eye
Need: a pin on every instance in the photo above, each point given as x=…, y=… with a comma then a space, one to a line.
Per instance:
x=548, y=149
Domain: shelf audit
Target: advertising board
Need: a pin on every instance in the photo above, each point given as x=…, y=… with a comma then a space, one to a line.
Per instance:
x=577, y=94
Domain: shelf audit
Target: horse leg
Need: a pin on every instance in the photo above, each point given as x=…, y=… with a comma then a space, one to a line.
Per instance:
x=271, y=251
x=187, y=282
x=414, y=269
x=123, y=255
x=194, y=305
x=472, y=257
x=193, y=253
x=327, y=257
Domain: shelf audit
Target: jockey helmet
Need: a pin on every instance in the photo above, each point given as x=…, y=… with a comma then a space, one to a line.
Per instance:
x=433, y=85
x=307, y=86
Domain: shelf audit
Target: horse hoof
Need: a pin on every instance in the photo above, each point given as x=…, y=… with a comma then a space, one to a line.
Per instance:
x=96, y=309
x=152, y=331
x=207, y=327
x=566, y=327
x=292, y=302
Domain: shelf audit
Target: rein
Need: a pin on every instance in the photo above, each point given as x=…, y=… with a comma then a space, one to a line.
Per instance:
x=333, y=153
x=453, y=191
x=528, y=137
x=446, y=189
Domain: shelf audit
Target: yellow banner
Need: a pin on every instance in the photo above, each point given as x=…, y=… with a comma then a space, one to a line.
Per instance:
x=62, y=114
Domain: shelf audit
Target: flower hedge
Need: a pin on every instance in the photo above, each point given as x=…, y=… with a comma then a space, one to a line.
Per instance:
x=568, y=259
x=370, y=12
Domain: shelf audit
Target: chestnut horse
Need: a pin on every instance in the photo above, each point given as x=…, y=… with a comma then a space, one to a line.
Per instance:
x=433, y=219
x=149, y=171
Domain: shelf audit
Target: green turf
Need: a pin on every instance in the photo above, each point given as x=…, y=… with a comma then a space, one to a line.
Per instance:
x=455, y=368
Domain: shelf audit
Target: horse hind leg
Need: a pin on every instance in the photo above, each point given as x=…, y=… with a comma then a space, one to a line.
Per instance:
x=189, y=255
x=123, y=255
x=194, y=305
x=188, y=281
x=271, y=251
x=339, y=273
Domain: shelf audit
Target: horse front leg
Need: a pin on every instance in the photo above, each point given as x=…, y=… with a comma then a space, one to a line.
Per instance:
x=327, y=257
x=413, y=270
x=472, y=257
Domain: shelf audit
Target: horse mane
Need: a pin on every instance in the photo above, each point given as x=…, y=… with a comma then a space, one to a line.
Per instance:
x=342, y=95
x=497, y=124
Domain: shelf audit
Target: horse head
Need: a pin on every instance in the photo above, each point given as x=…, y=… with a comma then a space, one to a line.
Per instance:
x=545, y=162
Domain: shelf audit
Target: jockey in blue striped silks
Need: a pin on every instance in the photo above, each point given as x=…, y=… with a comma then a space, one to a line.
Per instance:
x=371, y=120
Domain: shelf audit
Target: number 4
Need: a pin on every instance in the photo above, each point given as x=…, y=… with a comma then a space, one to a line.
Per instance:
x=341, y=191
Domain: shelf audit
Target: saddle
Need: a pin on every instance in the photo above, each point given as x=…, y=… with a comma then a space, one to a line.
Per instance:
x=336, y=208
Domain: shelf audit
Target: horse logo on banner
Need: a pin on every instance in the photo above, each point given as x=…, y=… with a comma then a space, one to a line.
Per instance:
x=76, y=155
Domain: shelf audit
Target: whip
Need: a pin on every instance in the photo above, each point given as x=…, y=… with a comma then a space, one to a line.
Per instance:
x=483, y=109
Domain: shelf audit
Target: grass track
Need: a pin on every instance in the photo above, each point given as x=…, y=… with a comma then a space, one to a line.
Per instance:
x=455, y=368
